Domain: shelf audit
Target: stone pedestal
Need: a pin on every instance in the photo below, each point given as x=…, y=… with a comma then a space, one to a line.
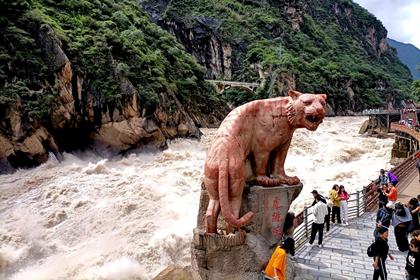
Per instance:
x=244, y=254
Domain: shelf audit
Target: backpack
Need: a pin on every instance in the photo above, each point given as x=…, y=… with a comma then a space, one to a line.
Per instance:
x=371, y=250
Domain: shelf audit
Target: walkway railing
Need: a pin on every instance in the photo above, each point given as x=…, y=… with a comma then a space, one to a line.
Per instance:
x=399, y=127
x=356, y=207
x=360, y=202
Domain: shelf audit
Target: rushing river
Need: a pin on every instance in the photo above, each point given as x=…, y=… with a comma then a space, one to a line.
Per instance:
x=128, y=218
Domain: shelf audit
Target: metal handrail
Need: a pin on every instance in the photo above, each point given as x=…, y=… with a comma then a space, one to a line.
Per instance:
x=359, y=202
x=302, y=231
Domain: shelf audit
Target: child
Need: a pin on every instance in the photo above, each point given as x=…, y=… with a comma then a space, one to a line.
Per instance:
x=412, y=267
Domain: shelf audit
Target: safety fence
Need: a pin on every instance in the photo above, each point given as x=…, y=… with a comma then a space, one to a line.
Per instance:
x=359, y=202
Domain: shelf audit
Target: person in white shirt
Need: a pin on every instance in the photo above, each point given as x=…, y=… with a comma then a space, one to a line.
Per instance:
x=320, y=211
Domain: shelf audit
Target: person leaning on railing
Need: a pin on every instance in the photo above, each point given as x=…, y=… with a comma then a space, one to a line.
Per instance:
x=328, y=216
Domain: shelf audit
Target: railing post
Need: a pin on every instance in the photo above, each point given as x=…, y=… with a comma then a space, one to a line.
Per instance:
x=305, y=216
x=358, y=203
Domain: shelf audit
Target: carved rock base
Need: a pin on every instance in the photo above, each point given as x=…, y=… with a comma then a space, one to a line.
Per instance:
x=241, y=256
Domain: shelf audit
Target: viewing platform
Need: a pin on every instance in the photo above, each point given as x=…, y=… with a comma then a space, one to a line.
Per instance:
x=343, y=255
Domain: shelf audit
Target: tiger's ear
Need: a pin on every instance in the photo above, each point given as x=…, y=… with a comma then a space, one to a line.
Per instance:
x=294, y=94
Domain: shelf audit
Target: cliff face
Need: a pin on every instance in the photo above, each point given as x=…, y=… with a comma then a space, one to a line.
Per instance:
x=74, y=73
x=60, y=94
x=335, y=47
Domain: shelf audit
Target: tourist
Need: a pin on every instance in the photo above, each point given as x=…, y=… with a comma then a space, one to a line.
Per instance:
x=328, y=216
x=276, y=267
x=344, y=197
x=382, y=198
x=287, y=241
x=384, y=217
x=381, y=254
x=335, y=200
x=418, y=167
x=383, y=179
x=412, y=267
x=392, y=178
x=392, y=193
x=414, y=207
x=401, y=219
x=320, y=211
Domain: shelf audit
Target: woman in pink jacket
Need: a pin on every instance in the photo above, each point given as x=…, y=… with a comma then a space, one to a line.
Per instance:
x=344, y=197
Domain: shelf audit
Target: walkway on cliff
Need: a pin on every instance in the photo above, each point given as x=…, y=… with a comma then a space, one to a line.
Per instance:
x=344, y=253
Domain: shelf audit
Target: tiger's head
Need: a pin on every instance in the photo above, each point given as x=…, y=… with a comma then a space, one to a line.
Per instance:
x=306, y=110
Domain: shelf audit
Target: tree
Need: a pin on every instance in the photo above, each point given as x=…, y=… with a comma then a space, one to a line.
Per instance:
x=415, y=90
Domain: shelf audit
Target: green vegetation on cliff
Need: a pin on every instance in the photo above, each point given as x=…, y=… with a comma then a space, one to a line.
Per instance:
x=325, y=46
x=317, y=46
x=103, y=40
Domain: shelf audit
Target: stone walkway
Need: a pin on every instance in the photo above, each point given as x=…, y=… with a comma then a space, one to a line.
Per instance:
x=344, y=253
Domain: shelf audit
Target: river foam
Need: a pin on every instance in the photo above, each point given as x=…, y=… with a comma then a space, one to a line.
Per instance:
x=90, y=217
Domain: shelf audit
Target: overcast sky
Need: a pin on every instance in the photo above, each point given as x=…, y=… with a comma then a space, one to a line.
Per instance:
x=400, y=17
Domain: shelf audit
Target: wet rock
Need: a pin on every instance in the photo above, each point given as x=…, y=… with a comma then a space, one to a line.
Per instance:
x=182, y=129
x=175, y=273
x=122, y=135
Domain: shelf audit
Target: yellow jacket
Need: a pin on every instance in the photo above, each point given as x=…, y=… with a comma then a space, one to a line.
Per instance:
x=277, y=264
x=335, y=199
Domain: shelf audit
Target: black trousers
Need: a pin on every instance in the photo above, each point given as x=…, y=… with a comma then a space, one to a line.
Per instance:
x=336, y=212
x=317, y=228
x=327, y=219
x=381, y=271
x=401, y=236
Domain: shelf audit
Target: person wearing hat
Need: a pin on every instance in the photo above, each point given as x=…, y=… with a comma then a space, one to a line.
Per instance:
x=381, y=254
x=323, y=200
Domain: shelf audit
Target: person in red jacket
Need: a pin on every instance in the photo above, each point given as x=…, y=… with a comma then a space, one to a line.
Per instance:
x=392, y=193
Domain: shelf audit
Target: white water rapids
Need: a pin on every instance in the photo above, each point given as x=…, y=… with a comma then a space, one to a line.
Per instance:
x=129, y=218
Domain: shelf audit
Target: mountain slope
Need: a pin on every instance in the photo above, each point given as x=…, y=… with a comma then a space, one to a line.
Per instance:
x=409, y=55
x=130, y=73
x=335, y=47
x=77, y=72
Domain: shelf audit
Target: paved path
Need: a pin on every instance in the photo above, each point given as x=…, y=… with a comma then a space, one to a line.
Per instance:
x=344, y=253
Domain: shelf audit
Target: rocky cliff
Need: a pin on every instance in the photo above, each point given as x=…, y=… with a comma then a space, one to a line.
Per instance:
x=335, y=47
x=66, y=85
x=77, y=73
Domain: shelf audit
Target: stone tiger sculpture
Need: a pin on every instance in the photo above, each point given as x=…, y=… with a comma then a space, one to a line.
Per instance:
x=252, y=144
